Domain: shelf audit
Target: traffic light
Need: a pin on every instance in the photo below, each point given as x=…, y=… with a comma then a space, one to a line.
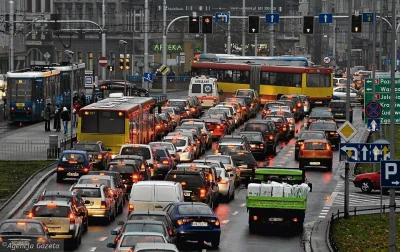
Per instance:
x=56, y=26
x=207, y=24
x=7, y=23
x=308, y=25
x=254, y=24
x=121, y=63
x=356, y=21
x=127, y=62
x=194, y=25
x=110, y=68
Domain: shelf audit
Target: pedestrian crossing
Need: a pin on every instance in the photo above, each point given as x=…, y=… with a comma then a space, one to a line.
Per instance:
x=363, y=199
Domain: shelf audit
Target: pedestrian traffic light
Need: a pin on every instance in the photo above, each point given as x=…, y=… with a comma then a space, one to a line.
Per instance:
x=121, y=63
x=110, y=68
x=127, y=62
x=356, y=21
x=254, y=24
x=308, y=24
x=207, y=24
x=194, y=25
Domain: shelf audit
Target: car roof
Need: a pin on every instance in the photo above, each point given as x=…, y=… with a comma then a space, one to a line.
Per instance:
x=96, y=176
x=315, y=140
x=211, y=156
x=23, y=220
x=136, y=157
x=105, y=172
x=57, y=202
x=142, y=234
x=156, y=182
x=58, y=193
x=177, y=137
x=126, y=161
x=243, y=151
x=260, y=121
x=312, y=131
x=74, y=152
x=156, y=246
x=337, y=101
x=88, y=186
x=88, y=142
x=323, y=122
x=135, y=145
x=144, y=221
x=230, y=143
x=196, y=165
x=194, y=203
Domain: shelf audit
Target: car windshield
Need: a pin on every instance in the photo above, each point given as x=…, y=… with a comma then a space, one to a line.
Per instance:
x=218, y=111
x=287, y=103
x=168, y=110
x=275, y=119
x=138, y=151
x=51, y=210
x=105, y=182
x=88, y=192
x=194, y=209
x=188, y=180
x=164, y=116
x=177, y=103
x=311, y=135
x=285, y=114
x=244, y=93
x=132, y=240
x=254, y=137
x=169, y=146
x=259, y=127
x=190, y=124
x=271, y=105
x=321, y=113
x=244, y=159
x=127, y=168
x=144, y=227
x=176, y=142
x=337, y=105
x=87, y=147
x=315, y=146
x=149, y=217
x=229, y=148
x=73, y=159
x=228, y=139
x=323, y=126
x=224, y=160
x=25, y=228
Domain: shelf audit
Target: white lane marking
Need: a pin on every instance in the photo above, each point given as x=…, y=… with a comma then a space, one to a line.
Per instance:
x=225, y=221
x=93, y=249
x=204, y=250
x=325, y=211
x=243, y=204
x=235, y=213
x=322, y=216
x=102, y=238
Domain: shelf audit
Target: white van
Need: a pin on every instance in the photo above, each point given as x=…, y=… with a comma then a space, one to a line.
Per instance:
x=206, y=89
x=154, y=195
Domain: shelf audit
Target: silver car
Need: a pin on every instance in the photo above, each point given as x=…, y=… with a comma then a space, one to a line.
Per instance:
x=226, y=184
x=229, y=165
x=130, y=239
x=146, y=247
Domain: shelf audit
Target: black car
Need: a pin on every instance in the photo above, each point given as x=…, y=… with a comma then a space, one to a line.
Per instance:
x=257, y=144
x=282, y=125
x=129, y=171
x=247, y=165
x=249, y=100
x=330, y=129
x=338, y=110
x=151, y=216
x=234, y=139
x=267, y=129
x=194, y=184
x=319, y=115
x=297, y=101
x=293, y=108
x=96, y=151
x=145, y=169
x=304, y=135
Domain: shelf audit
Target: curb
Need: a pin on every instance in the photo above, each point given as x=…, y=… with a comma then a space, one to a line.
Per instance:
x=328, y=232
x=24, y=184
x=306, y=237
x=29, y=194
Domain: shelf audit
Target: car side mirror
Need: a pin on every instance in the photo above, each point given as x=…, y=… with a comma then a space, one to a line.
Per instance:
x=310, y=185
x=120, y=223
x=110, y=245
x=114, y=232
x=87, y=202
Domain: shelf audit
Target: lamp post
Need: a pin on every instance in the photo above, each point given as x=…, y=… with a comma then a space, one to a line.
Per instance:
x=123, y=42
x=71, y=88
x=4, y=104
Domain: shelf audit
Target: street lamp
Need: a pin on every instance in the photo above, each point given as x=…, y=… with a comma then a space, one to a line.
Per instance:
x=71, y=87
x=123, y=42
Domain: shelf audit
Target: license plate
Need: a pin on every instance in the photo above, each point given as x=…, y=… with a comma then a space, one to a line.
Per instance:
x=318, y=102
x=339, y=114
x=275, y=219
x=54, y=229
x=20, y=243
x=187, y=194
x=199, y=224
x=315, y=163
x=20, y=104
x=73, y=174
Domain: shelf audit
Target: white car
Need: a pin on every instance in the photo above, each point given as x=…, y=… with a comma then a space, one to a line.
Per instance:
x=183, y=147
x=229, y=164
x=226, y=184
x=233, y=112
x=340, y=93
x=339, y=82
x=130, y=239
x=143, y=150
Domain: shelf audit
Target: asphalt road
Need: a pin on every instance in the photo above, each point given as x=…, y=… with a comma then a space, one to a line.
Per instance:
x=235, y=235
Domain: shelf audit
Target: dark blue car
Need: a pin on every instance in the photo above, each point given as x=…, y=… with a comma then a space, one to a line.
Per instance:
x=194, y=221
x=73, y=164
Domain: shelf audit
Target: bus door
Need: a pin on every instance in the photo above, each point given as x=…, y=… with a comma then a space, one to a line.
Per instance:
x=40, y=99
x=134, y=129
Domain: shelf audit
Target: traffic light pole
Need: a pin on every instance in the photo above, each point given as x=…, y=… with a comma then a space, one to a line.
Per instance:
x=244, y=29
x=204, y=43
x=11, y=29
x=271, y=32
x=103, y=39
x=146, y=42
x=255, y=44
x=164, y=46
x=229, y=43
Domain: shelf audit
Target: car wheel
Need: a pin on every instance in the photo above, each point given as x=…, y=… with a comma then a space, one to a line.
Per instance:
x=329, y=167
x=215, y=243
x=233, y=195
x=366, y=186
x=86, y=227
x=59, y=179
x=296, y=156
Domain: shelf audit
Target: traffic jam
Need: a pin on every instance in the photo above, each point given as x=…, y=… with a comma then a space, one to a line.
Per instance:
x=202, y=149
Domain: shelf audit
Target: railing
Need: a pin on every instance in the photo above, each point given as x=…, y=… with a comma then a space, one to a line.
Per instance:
x=159, y=98
x=156, y=78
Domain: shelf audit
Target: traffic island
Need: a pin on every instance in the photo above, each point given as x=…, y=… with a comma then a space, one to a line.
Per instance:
x=362, y=233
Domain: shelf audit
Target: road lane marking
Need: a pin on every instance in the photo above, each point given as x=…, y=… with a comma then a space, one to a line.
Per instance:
x=204, y=250
x=225, y=221
x=102, y=238
x=243, y=204
x=235, y=213
x=93, y=249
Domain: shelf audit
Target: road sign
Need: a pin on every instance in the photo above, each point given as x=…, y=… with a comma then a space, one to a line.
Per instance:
x=272, y=18
x=148, y=77
x=222, y=17
x=88, y=81
x=325, y=18
x=327, y=60
x=374, y=125
x=368, y=17
x=347, y=131
x=373, y=109
x=364, y=152
x=47, y=55
x=103, y=61
x=390, y=174
x=163, y=69
x=328, y=54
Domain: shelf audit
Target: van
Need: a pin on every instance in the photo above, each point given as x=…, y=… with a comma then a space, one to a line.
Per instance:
x=206, y=89
x=154, y=195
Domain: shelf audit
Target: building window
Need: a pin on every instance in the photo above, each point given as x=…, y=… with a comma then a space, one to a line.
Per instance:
x=29, y=6
x=137, y=24
x=89, y=11
x=38, y=6
x=59, y=57
x=80, y=59
x=90, y=61
x=47, y=6
x=300, y=19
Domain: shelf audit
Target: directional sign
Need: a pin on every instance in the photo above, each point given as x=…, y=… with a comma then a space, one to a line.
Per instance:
x=368, y=17
x=325, y=18
x=103, y=61
x=374, y=125
x=148, y=77
x=347, y=131
x=222, y=17
x=390, y=174
x=364, y=152
x=272, y=18
x=327, y=60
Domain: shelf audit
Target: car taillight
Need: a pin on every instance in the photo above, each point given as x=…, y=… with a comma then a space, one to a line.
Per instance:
x=328, y=147
x=244, y=108
x=60, y=169
x=135, y=177
x=165, y=161
x=302, y=147
x=291, y=121
x=238, y=111
x=202, y=193
x=299, y=104
x=187, y=149
x=41, y=240
x=218, y=126
x=85, y=169
x=103, y=205
x=71, y=218
x=224, y=182
x=131, y=208
x=294, y=109
x=193, y=109
x=158, y=126
x=172, y=116
x=30, y=215
x=12, y=108
x=284, y=128
x=261, y=145
x=255, y=166
x=333, y=133
x=181, y=222
x=215, y=98
x=300, y=143
x=100, y=156
x=271, y=137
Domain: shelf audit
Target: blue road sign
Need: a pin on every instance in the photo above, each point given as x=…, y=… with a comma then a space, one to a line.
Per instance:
x=222, y=17
x=364, y=152
x=390, y=174
x=272, y=18
x=368, y=17
x=325, y=18
x=328, y=54
x=373, y=110
x=88, y=81
x=374, y=125
x=148, y=77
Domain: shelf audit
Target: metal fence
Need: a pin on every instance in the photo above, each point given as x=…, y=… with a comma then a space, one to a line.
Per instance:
x=13, y=150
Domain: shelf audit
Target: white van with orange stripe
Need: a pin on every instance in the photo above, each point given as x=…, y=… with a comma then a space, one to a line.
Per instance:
x=206, y=89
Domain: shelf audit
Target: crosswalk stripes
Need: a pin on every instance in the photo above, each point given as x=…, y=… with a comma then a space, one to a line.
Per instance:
x=363, y=199
x=339, y=186
x=324, y=212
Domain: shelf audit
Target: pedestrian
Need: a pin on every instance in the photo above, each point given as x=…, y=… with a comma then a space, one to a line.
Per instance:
x=65, y=117
x=57, y=119
x=83, y=99
x=47, y=117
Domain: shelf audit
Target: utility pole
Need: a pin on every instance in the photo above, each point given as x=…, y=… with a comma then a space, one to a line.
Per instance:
x=334, y=62
x=146, y=42
x=229, y=35
x=204, y=43
x=255, y=44
x=373, y=65
x=11, y=35
x=244, y=29
x=164, y=46
x=271, y=32
x=103, y=39
x=392, y=215
x=380, y=36
x=347, y=165
x=124, y=44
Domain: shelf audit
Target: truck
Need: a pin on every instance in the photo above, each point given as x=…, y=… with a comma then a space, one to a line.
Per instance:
x=273, y=210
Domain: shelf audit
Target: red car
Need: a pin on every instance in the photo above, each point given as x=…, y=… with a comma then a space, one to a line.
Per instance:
x=368, y=181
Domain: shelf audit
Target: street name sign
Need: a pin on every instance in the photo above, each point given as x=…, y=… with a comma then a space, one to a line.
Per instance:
x=364, y=152
x=390, y=174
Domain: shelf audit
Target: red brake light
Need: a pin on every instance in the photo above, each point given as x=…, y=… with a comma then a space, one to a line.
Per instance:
x=328, y=147
x=71, y=218
x=100, y=156
x=103, y=205
x=165, y=161
x=299, y=104
x=131, y=208
x=223, y=182
x=135, y=177
x=271, y=137
x=41, y=240
x=202, y=193
x=294, y=109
